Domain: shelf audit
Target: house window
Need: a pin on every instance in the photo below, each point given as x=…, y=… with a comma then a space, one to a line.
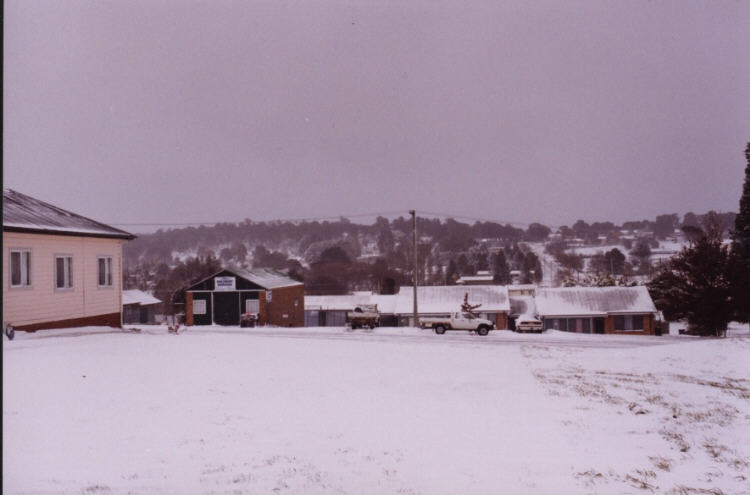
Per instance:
x=625, y=323
x=252, y=306
x=199, y=306
x=105, y=271
x=20, y=267
x=63, y=272
x=586, y=325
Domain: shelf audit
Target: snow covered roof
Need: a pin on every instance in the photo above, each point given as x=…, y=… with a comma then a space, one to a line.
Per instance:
x=448, y=298
x=593, y=301
x=265, y=277
x=346, y=302
x=342, y=302
x=22, y=213
x=135, y=296
x=474, y=278
x=522, y=305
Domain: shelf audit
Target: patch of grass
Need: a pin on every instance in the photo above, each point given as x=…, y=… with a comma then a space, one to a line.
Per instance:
x=662, y=463
x=642, y=478
x=95, y=489
x=687, y=490
x=675, y=438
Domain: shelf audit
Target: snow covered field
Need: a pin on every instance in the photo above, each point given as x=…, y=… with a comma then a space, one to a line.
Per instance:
x=100, y=411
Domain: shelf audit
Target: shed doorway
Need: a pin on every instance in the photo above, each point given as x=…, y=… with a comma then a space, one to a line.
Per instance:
x=226, y=308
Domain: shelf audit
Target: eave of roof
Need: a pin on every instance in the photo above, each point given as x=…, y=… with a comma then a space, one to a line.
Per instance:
x=22, y=213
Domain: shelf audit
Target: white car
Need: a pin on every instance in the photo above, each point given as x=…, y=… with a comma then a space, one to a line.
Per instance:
x=527, y=323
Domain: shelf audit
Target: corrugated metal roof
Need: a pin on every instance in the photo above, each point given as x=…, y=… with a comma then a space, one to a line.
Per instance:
x=347, y=302
x=448, y=298
x=135, y=296
x=593, y=301
x=23, y=213
x=265, y=277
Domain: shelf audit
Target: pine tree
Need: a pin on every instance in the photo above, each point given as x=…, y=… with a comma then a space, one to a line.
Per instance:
x=741, y=250
x=695, y=283
x=500, y=270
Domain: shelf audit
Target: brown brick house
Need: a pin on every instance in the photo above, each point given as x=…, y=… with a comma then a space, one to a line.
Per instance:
x=612, y=310
x=221, y=298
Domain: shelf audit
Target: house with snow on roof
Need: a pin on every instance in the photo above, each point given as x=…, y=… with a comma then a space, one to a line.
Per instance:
x=611, y=310
x=60, y=269
x=224, y=296
x=138, y=307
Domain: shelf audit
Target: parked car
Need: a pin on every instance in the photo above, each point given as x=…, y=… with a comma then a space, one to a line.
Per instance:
x=458, y=321
x=248, y=319
x=527, y=323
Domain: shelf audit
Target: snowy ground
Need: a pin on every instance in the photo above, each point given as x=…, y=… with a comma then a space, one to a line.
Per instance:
x=229, y=410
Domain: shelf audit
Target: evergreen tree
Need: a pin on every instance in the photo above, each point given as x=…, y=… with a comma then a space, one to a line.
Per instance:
x=500, y=269
x=451, y=274
x=695, y=284
x=741, y=250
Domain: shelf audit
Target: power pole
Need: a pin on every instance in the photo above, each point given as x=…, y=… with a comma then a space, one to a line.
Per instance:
x=413, y=214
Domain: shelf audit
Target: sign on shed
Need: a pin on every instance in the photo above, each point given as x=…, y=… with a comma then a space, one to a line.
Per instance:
x=225, y=283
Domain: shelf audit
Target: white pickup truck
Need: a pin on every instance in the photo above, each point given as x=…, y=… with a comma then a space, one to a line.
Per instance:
x=457, y=321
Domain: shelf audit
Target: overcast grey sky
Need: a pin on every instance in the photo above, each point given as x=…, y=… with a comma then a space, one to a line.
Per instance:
x=180, y=111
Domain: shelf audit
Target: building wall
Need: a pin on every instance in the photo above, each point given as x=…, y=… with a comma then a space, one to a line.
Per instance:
x=609, y=324
x=44, y=306
x=286, y=308
x=280, y=311
x=648, y=326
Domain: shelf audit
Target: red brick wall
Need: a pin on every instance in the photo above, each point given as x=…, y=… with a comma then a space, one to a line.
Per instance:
x=189, y=309
x=283, y=303
x=648, y=326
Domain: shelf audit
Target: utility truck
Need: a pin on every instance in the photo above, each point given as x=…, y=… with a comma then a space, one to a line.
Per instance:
x=363, y=316
x=463, y=320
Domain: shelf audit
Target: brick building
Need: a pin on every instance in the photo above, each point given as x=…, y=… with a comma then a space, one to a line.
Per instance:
x=221, y=298
x=613, y=310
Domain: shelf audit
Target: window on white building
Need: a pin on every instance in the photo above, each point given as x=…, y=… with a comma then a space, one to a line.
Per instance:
x=105, y=271
x=20, y=267
x=63, y=271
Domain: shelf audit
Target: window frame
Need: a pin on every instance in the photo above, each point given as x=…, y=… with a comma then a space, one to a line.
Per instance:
x=629, y=323
x=69, y=272
x=256, y=305
x=203, y=305
x=108, y=277
x=29, y=271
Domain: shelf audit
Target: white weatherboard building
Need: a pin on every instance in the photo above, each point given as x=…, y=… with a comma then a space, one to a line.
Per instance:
x=60, y=269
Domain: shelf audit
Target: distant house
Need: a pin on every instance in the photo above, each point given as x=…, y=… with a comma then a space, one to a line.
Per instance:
x=61, y=269
x=221, y=298
x=483, y=277
x=330, y=310
x=613, y=310
x=521, y=290
x=445, y=299
x=138, y=307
